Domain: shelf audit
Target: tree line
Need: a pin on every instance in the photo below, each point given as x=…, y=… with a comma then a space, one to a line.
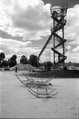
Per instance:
x=33, y=60
x=10, y=62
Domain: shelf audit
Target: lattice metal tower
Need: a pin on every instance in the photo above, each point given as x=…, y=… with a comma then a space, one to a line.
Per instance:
x=58, y=13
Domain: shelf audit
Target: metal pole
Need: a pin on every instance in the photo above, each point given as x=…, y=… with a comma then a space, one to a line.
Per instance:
x=63, y=47
x=54, y=44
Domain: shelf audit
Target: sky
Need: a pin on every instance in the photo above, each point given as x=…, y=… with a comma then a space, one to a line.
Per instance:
x=25, y=27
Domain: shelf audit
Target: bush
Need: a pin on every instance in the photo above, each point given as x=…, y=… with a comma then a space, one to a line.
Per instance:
x=48, y=65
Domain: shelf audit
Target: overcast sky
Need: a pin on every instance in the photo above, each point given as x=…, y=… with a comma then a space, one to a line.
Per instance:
x=71, y=3
x=25, y=27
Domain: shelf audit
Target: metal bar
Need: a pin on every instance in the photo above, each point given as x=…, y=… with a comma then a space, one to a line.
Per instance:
x=54, y=44
x=63, y=47
x=61, y=43
x=45, y=45
x=55, y=29
x=55, y=51
x=58, y=36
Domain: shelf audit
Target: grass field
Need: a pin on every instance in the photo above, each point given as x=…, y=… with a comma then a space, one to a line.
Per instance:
x=56, y=74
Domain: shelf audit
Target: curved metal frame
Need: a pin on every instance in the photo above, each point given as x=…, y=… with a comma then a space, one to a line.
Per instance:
x=38, y=85
x=21, y=80
x=31, y=80
x=40, y=95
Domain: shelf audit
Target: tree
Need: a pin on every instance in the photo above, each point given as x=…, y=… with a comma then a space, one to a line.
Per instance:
x=12, y=61
x=33, y=60
x=23, y=59
x=5, y=63
x=13, y=58
x=48, y=65
x=2, y=56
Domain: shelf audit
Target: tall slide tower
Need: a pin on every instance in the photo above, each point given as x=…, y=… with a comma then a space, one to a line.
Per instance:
x=58, y=13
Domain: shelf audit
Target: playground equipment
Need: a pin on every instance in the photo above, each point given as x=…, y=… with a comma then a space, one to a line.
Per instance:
x=39, y=86
x=58, y=13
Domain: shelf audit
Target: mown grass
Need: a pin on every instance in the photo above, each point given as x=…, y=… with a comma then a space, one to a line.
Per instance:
x=55, y=74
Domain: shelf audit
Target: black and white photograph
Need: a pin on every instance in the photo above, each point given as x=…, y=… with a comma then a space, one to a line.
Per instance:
x=39, y=59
